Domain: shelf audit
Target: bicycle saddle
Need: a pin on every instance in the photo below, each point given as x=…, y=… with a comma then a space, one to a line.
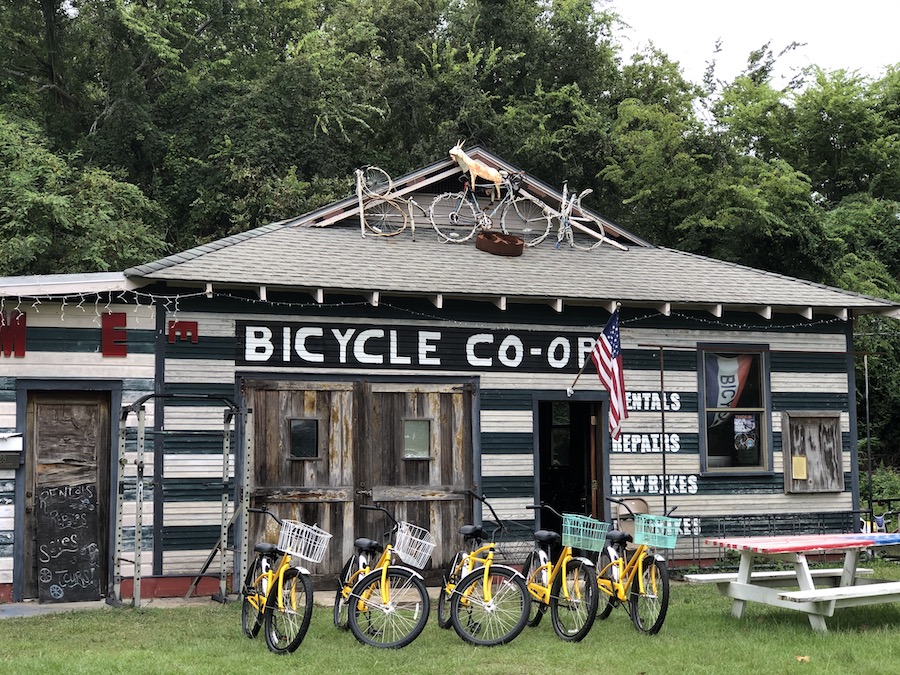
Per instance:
x=618, y=537
x=472, y=532
x=266, y=548
x=546, y=536
x=368, y=545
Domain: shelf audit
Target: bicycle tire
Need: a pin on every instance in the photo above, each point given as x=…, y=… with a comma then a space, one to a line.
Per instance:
x=538, y=608
x=574, y=615
x=525, y=218
x=608, y=602
x=648, y=609
x=385, y=218
x=578, y=215
x=453, y=217
x=452, y=577
x=399, y=622
x=253, y=595
x=342, y=604
x=286, y=625
x=488, y=624
x=376, y=182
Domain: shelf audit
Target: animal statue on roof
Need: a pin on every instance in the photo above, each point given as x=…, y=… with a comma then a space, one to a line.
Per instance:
x=475, y=168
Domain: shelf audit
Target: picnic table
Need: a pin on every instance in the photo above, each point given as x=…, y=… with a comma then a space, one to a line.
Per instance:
x=846, y=586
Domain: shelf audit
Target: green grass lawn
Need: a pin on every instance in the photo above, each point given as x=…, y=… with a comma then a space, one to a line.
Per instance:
x=699, y=636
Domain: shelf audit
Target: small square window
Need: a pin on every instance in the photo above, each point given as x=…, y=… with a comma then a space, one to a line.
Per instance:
x=416, y=439
x=304, y=439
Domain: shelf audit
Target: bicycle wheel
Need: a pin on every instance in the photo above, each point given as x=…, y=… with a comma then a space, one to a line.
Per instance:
x=573, y=608
x=606, y=603
x=526, y=218
x=385, y=218
x=453, y=216
x=648, y=608
x=376, y=182
x=579, y=219
x=497, y=622
x=253, y=595
x=394, y=623
x=286, y=625
x=532, y=563
x=452, y=578
x=342, y=604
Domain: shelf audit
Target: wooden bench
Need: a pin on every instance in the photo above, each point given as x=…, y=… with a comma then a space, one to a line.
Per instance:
x=888, y=591
x=771, y=576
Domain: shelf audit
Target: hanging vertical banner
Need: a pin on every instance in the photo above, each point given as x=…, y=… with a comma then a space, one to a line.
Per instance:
x=725, y=380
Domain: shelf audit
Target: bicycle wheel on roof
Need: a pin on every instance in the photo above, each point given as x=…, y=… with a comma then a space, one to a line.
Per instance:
x=526, y=218
x=454, y=217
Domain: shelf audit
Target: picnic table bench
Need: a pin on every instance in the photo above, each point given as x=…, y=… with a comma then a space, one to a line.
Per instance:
x=844, y=586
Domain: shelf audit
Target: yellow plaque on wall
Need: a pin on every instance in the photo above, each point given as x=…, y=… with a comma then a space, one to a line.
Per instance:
x=798, y=467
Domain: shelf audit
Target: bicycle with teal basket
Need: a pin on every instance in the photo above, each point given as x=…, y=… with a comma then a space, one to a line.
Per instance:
x=566, y=585
x=638, y=578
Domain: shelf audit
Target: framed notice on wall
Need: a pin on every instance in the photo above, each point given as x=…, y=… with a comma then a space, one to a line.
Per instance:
x=812, y=446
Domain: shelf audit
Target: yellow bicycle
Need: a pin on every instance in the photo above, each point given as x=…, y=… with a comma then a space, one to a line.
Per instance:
x=486, y=603
x=638, y=578
x=568, y=584
x=278, y=593
x=386, y=604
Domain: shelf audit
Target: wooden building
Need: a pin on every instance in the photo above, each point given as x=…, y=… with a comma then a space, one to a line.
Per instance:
x=314, y=366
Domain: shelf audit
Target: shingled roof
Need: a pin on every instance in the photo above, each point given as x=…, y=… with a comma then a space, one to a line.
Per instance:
x=324, y=253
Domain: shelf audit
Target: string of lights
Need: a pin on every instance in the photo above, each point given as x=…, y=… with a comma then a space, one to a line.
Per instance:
x=172, y=303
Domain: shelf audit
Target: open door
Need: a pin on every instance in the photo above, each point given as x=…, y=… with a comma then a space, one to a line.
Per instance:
x=570, y=462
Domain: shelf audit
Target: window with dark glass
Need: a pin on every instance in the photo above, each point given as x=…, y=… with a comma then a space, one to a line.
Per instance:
x=735, y=418
x=304, y=437
x=560, y=434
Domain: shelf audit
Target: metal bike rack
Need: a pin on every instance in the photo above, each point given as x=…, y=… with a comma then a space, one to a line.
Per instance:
x=221, y=546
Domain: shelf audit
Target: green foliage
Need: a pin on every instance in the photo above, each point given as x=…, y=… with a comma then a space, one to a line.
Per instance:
x=55, y=217
x=168, y=124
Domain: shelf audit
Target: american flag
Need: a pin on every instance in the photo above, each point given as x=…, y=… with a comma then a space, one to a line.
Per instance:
x=607, y=356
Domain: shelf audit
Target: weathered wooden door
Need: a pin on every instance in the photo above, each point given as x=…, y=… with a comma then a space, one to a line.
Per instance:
x=415, y=458
x=303, y=465
x=67, y=515
x=324, y=448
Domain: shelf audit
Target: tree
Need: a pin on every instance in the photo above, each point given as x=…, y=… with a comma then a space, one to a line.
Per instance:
x=56, y=217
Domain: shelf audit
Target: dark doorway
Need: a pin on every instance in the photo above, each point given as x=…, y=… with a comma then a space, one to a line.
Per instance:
x=569, y=458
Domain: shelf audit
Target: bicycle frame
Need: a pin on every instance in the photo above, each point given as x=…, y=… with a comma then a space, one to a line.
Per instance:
x=539, y=591
x=624, y=572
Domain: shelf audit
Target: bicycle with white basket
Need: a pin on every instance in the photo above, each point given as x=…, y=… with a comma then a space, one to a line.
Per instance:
x=277, y=592
x=385, y=604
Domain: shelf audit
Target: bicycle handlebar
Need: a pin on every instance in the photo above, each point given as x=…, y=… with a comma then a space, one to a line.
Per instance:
x=542, y=505
x=373, y=507
x=265, y=511
x=621, y=502
x=483, y=500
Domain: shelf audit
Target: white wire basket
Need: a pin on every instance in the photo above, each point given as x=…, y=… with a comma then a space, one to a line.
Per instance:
x=303, y=541
x=414, y=544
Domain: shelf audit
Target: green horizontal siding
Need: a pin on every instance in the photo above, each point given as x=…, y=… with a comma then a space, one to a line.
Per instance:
x=214, y=390
x=750, y=525
x=194, y=490
x=496, y=487
x=507, y=443
x=192, y=537
x=85, y=339
x=795, y=400
x=506, y=399
x=787, y=362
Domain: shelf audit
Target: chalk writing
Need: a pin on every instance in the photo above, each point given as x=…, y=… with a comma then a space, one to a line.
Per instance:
x=68, y=551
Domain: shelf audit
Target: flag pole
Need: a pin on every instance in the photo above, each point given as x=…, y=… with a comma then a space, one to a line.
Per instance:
x=571, y=390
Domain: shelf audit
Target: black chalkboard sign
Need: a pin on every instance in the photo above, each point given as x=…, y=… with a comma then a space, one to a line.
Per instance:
x=68, y=554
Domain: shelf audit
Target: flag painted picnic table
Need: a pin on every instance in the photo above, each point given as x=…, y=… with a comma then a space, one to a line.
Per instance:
x=847, y=586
